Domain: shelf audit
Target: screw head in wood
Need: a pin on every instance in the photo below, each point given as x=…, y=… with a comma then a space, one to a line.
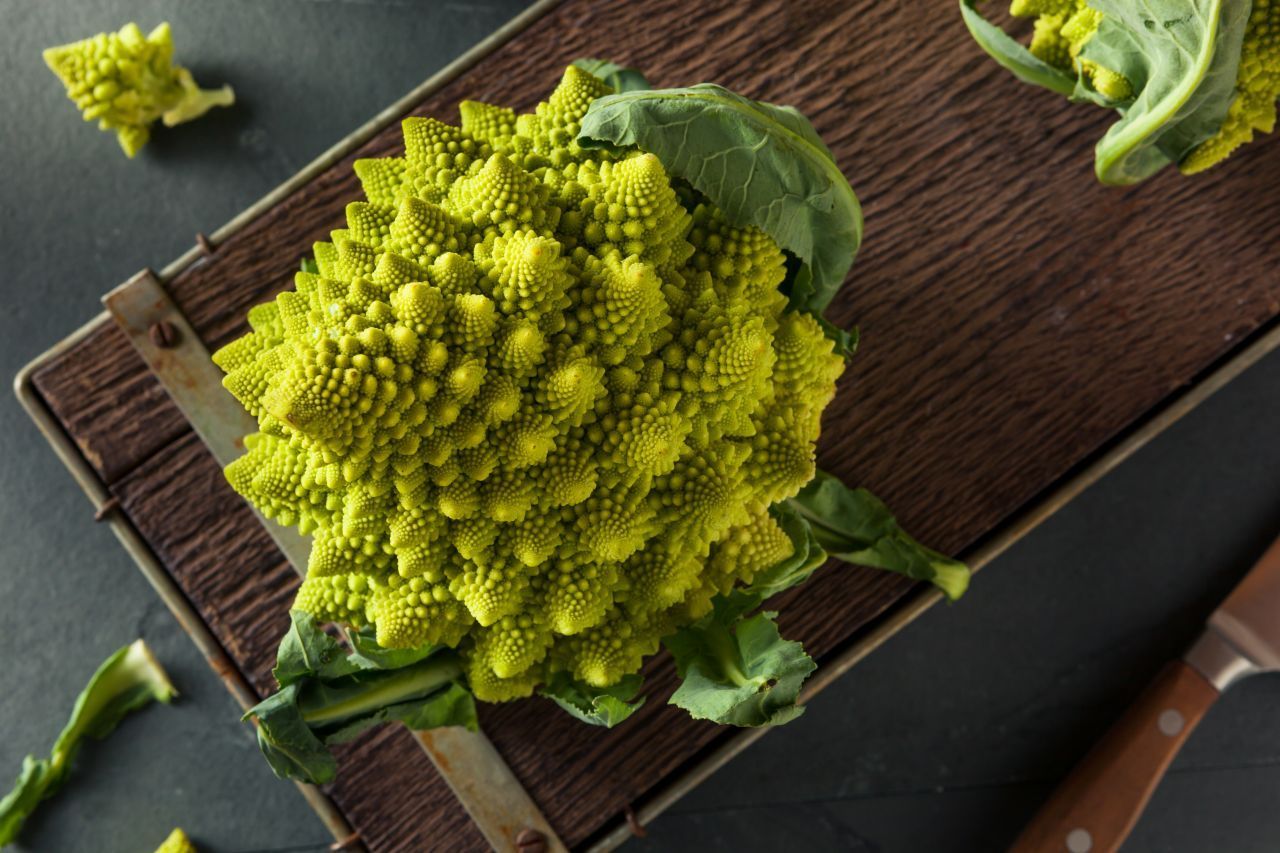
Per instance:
x=531, y=841
x=163, y=334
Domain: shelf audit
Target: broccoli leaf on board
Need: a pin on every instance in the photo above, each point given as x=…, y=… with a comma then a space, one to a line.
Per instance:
x=1025, y=65
x=738, y=671
x=125, y=682
x=613, y=75
x=806, y=559
x=328, y=697
x=761, y=164
x=736, y=668
x=1181, y=57
x=855, y=526
x=599, y=706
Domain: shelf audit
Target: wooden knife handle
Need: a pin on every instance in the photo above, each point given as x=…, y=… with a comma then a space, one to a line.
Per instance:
x=1098, y=804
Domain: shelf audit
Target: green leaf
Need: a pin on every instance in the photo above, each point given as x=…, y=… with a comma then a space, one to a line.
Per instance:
x=855, y=526
x=328, y=697
x=28, y=790
x=287, y=742
x=761, y=164
x=739, y=673
x=599, y=706
x=1181, y=58
x=307, y=650
x=613, y=75
x=128, y=680
x=367, y=654
x=807, y=557
x=452, y=706
x=310, y=265
x=1025, y=65
x=736, y=669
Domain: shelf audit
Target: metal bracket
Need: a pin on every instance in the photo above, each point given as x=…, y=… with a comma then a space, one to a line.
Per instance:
x=483, y=783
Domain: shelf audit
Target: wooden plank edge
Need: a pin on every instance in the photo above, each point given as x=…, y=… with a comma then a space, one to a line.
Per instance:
x=475, y=772
x=141, y=308
x=104, y=509
x=913, y=605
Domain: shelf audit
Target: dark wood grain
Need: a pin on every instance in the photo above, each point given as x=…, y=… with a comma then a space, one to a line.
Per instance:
x=114, y=410
x=1015, y=314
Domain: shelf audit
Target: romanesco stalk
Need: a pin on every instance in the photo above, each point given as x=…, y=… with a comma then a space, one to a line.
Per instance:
x=126, y=81
x=128, y=680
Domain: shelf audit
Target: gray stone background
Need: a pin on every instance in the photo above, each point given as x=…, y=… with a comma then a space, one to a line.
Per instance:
x=946, y=739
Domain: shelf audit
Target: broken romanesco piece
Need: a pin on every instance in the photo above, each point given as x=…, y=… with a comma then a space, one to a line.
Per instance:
x=1064, y=27
x=127, y=80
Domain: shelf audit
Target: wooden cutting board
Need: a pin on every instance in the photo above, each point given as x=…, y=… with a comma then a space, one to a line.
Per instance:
x=1016, y=319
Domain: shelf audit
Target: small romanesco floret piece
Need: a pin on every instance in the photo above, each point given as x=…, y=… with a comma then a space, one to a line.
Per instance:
x=127, y=80
x=1063, y=27
x=533, y=405
x=177, y=842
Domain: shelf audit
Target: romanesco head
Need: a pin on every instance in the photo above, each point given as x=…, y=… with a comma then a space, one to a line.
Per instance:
x=127, y=80
x=535, y=404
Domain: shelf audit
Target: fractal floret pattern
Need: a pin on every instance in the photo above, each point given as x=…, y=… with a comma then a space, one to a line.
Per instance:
x=536, y=402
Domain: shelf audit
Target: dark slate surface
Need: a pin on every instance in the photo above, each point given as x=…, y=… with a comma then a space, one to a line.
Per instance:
x=946, y=739
x=950, y=736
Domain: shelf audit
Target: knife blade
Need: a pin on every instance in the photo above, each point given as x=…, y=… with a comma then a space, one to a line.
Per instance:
x=1097, y=805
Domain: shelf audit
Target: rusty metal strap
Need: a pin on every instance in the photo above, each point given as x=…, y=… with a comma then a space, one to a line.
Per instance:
x=500, y=807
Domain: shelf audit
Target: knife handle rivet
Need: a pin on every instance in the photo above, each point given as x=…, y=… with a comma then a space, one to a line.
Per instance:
x=1079, y=841
x=1170, y=722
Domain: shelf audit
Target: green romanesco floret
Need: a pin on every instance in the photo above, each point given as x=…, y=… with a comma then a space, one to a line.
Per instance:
x=1257, y=88
x=1063, y=27
x=533, y=405
x=127, y=80
x=177, y=842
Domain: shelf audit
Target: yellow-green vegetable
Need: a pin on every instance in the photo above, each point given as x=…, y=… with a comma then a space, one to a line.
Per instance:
x=1192, y=79
x=177, y=842
x=551, y=399
x=126, y=81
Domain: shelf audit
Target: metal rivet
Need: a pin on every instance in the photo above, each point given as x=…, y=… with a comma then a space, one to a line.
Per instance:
x=163, y=334
x=109, y=506
x=531, y=841
x=1170, y=722
x=1079, y=841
